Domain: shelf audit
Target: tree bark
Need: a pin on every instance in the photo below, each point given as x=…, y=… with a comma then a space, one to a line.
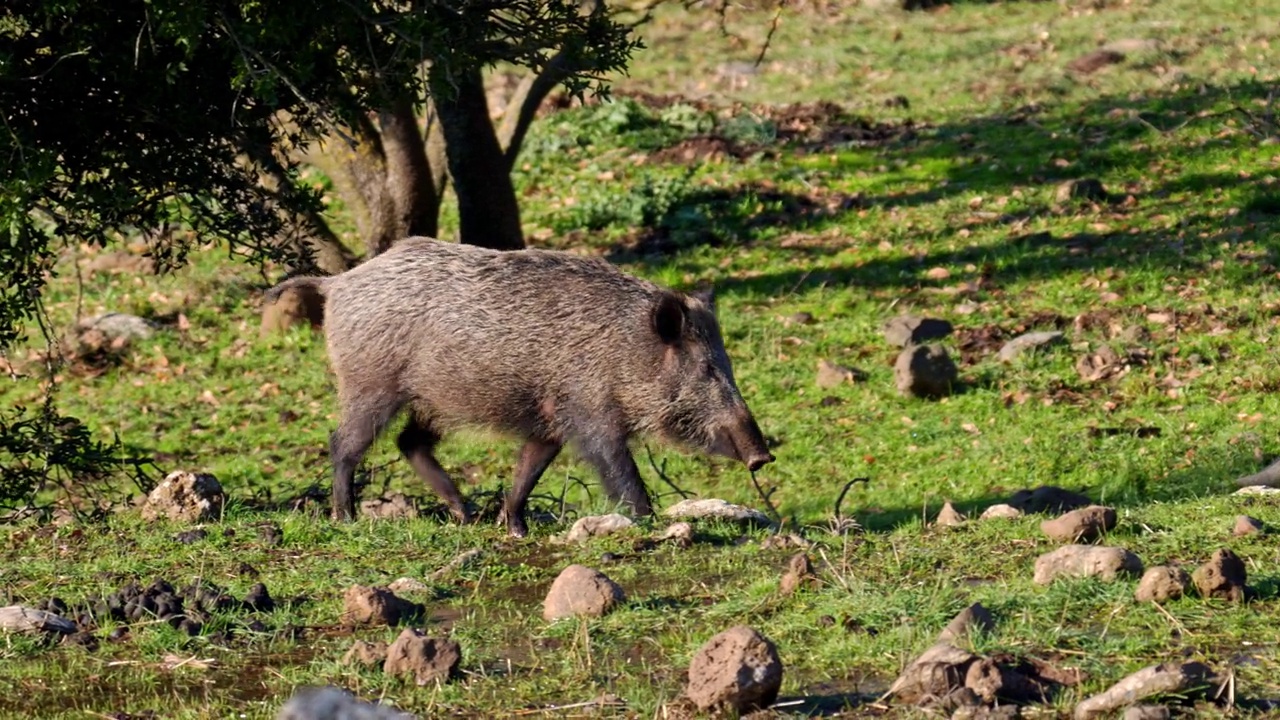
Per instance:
x=415, y=198
x=488, y=213
x=525, y=102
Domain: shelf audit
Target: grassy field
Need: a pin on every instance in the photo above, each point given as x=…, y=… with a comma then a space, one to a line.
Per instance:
x=875, y=163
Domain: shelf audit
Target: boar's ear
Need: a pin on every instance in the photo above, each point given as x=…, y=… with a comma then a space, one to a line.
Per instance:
x=706, y=296
x=668, y=318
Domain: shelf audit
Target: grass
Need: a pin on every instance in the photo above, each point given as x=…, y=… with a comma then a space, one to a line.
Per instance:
x=851, y=217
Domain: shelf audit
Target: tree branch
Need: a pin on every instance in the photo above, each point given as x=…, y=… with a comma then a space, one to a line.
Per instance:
x=525, y=102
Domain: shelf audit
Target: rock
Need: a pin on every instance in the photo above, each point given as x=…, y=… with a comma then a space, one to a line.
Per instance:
x=295, y=306
x=401, y=586
x=831, y=375
x=28, y=620
x=1092, y=62
x=395, y=506
x=737, y=670
x=1028, y=342
x=906, y=330
x=428, y=659
x=1081, y=525
x=113, y=330
x=376, y=606
x=1047, y=498
x=1246, y=525
x=936, y=673
x=331, y=703
x=948, y=516
x=990, y=681
x=784, y=541
x=799, y=574
x=581, y=591
x=368, y=654
x=1089, y=189
x=1147, y=712
x=190, y=537
x=462, y=560
x=925, y=371
x=1007, y=512
x=1223, y=576
x=598, y=526
x=1257, y=490
x=185, y=497
x=1106, y=563
x=1161, y=583
x=1166, y=678
x=681, y=533
x=715, y=509
x=798, y=318
x=974, y=617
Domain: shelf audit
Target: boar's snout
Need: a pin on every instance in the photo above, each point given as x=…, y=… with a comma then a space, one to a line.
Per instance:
x=742, y=440
x=759, y=460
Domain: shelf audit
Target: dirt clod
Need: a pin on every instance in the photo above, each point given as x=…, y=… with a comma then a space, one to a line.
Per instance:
x=831, y=375
x=973, y=618
x=185, y=497
x=1152, y=681
x=581, y=591
x=799, y=574
x=427, y=658
x=598, y=526
x=1083, y=525
x=396, y=506
x=376, y=606
x=925, y=371
x=949, y=516
x=1161, y=583
x=737, y=670
x=906, y=330
x=1001, y=511
x=1047, y=498
x=1246, y=525
x=1106, y=563
x=1223, y=576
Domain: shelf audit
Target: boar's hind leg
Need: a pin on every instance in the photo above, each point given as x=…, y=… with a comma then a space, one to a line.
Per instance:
x=416, y=443
x=359, y=424
x=618, y=473
x=534, y=458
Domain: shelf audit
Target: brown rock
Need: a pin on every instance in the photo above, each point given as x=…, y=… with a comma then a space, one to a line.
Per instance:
x=1246, y=525
x=1084, y=524
x=831, y=375
x=295, y=306
x=737, y=670
x=1001, y=511
x=367, y=654
x=936, y=673
x=975, y=617
x=1047, y=498
x=428, y=659
x=581, y=591
x=1166, y=678
x=925, y=371
x=948, y=516
x=906, y=330
x=597, y=526
x=681, y=533
x=1106, y=563
x=376, y=606
x=1161, y=583
x=799, y=574
x=396, y=506
x=185, y=497
x=1223, y=576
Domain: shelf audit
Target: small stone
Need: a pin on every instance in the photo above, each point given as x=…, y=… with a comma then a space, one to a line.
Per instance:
x=737, y=670
x=428, y=659
x=1002, y=511
x=937, y=672
x=1074, y=561
x=906, y=330
x=367, y=654
x=598, y=526
x=1223, y=576
x=948, y=516
x=190, y=537
x=925, y=371
x=376, y=606
x=715, y=509
x=1081, y=525
x=185, y=497
x=1047, y=498
x=681, y=533
x=1027, y=342
x=831, y=375
x=1246, y=525
x=1162, y=583
x=581, y=591
x=784, y=541
x=799, y=574
x=799, y=318
x=396, y=506
x=405, y=585
x=975, y=617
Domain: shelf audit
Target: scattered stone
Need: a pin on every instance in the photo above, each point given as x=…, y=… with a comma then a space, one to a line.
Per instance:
x=428, y=659
x=295, y=306
x=28, y=620
x=331, y=703
x=936, y=673
x=974, y=617
x=1047, y=498
x=1028, y=342
x=1223, y=576
x=1166, y=678
x=1092, y=62
x=907, y=330
x=681, y=533
x=185, y=497
x=1069, y=561
x=367, y=654
x=799, y=574
x=395, y=506
x=1246, y=525
x=990, y=681
x=598, y=526
x=1083, y=525
x=715, y=509
x=1007, y=512
x=581, y=591
x=737, y=670
x=376, y=606
x=1147, y=712
x=111, y=332
x=190, y=537
x=948, y=516
x=925, y=371
x=401, y=586
x=462, y=560
x=1162, y=583
x=831, y=375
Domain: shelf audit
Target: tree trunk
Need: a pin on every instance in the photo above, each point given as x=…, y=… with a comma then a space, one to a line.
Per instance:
x=488, y=213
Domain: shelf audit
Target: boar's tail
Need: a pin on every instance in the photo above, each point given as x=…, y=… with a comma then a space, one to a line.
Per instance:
x=301, y=281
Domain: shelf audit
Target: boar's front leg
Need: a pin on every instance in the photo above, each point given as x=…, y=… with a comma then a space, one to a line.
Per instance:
x=534, y=458
x=611, y=457
x=416, y=443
